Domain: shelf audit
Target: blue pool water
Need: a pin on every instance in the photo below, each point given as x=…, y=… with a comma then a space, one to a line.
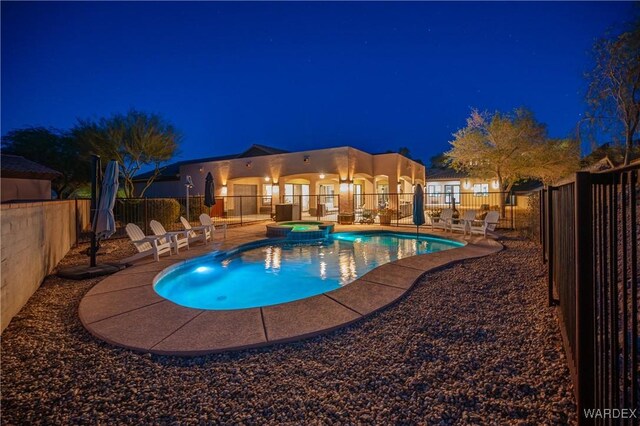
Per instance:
x=278, y=272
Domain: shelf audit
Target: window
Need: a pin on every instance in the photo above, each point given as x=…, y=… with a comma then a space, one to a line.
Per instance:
x=383, y=194
x=357, y=196
x=433, y=190
x=267, y=192
x=481, y=189
x=288, y=193
x=451, y=191
x=326, y=194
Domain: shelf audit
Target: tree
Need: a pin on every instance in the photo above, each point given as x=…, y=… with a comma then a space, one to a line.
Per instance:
x=136, y=139
x=614, y=87
x=55, y=149
x=509, y=148
x=439, y=161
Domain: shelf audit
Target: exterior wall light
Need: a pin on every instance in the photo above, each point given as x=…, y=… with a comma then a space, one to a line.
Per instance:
x=223, y=190
x=267, y=178
x=495, y=184
x=306, y=159
x=322, y=176
x=248, y=164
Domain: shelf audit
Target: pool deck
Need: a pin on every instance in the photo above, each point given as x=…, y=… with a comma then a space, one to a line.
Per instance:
x=124, y=310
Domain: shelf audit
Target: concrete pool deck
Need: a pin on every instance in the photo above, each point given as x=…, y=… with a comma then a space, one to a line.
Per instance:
x=124, y=310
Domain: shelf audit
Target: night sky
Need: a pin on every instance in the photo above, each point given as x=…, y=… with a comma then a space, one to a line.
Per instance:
x=376, y=76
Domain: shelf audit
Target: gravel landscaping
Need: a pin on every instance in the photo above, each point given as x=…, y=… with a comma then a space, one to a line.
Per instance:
x=473, y=343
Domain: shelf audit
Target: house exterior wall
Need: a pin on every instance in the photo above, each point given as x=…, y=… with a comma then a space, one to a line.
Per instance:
x=14, y=189
x=467, y=197
x=340, y=168
x=35, y=237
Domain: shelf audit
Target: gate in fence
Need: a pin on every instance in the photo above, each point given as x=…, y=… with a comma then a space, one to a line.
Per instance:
x=589, y=235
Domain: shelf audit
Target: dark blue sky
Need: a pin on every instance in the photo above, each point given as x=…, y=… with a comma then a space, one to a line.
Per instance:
x=376, y=76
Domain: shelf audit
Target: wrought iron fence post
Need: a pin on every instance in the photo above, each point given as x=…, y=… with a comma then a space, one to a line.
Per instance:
x=550, y=248
x=77, y=223
x=541, y=222
x=512, y=198
x=146, y=215
x=397, y=209
x=585, y=319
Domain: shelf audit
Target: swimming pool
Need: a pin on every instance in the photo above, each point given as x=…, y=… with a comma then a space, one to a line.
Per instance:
x=273, y=272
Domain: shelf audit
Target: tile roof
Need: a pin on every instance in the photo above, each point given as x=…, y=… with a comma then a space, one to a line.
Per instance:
x=15, y=166
x=444, y=174
x=171, y=171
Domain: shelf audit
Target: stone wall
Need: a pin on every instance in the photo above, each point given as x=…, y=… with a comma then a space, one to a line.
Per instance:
x=35, y=237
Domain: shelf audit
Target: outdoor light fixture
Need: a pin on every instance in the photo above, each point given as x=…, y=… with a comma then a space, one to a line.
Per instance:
x=321, y=175
x=306, y=159
x=267, y=178
x=495, y=184
x=467, y=184
x=201, y=169
x=223, y=190
x=248, y=164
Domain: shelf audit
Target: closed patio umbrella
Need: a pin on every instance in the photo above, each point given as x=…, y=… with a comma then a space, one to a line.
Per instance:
x=418, y=207
x=104, y=224
x=209, y=191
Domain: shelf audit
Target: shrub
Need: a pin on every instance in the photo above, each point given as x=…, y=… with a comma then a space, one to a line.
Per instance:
x=164, y=210
x=196, y=207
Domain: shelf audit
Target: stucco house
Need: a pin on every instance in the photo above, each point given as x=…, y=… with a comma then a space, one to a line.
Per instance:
x=445, y=185
x=23, y=179
x=339, y=179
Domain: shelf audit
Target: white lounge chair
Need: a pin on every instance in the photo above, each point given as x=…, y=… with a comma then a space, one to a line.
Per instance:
x=443, y=221
x=146, y=246
x=206, y=220
x=488, y=224
x=196, y=233
x=173, y=237
x=463, y=223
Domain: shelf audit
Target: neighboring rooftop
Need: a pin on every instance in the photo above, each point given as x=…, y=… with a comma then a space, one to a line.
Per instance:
x=15, y=166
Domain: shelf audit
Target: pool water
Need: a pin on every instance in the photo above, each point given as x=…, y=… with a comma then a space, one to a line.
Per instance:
x=279, y=272
x=301, y=226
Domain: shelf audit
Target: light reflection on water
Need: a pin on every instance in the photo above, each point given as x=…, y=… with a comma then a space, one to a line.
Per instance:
x=280, y=273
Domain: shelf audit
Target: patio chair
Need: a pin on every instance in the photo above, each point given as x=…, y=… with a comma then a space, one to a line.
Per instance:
x=173, y=237
x=196, y=233
x=463, y=223
x=206, y=220
x=443, y=221
x=146, y=246
x=488, y=224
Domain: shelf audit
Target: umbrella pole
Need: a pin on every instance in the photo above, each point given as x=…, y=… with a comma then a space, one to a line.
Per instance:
x=95, y=167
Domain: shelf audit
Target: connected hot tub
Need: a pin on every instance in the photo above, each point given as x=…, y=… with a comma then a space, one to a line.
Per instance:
x=300, y=230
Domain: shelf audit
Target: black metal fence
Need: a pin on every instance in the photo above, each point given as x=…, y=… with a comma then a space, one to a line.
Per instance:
x=346, y=207
x=589, y=235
